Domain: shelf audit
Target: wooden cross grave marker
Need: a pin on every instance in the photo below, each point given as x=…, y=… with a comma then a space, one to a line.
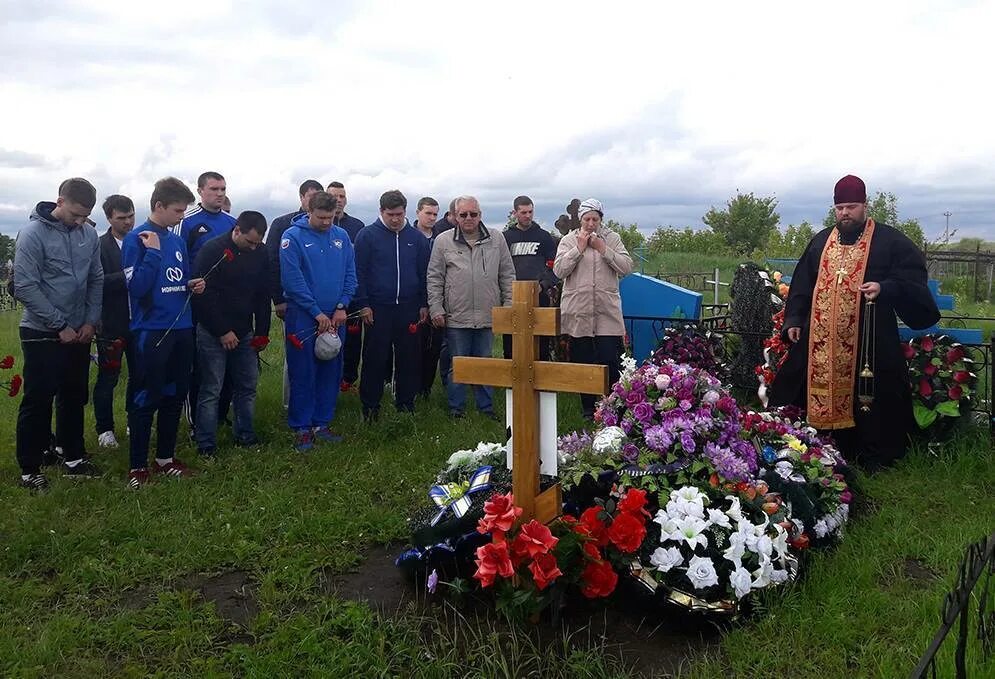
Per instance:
x=526, y=376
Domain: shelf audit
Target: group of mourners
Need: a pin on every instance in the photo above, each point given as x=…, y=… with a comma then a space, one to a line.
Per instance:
x=186, y=300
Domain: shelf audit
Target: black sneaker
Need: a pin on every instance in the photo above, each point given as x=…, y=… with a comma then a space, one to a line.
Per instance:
x=84, y=469
x=456, y=414
x=371, y=415
x=207, y=453
x=36, y=483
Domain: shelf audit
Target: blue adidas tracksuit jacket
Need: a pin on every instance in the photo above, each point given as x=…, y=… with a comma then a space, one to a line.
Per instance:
x=200, y=225
x=317, y=272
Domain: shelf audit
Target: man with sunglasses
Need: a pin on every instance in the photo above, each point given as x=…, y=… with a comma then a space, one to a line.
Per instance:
x=469, y=273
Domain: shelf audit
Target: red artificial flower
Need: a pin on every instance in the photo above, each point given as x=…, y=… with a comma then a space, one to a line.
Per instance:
x=259, y=342
x=627, y=532
x=591, y=525
x=954, y=354
x=591, y=551
x=533, y=539
x=599, y=580
x=927, y=343
x=354, y=327
x=925, y=389
x=634, y=502
x=549, y=264
x=118, y=344
x=544, y=570
x=15, y=386
x=412, y=328
x=500, y=514
x=493, y=560
x=955, y=392
x=111, y=365
x=930, y=369
x=7, y=363
x=910, y=351
x=962, y=376
x=800, y=542
x=295, y=341
x=229, y=255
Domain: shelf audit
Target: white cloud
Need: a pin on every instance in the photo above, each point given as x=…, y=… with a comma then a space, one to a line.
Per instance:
x=660, y=109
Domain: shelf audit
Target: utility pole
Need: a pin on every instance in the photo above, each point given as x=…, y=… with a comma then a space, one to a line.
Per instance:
x=946, y=232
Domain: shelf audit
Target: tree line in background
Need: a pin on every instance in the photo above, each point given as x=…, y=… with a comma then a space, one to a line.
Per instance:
x=748, y=226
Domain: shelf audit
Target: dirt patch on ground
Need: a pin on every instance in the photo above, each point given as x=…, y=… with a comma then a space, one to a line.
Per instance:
x=651, y=643
x=917, y=571
x=232, y=593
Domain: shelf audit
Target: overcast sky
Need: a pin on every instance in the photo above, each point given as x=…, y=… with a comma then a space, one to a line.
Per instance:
x=659, y=109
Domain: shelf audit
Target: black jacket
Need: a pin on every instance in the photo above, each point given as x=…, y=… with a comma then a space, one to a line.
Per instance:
x=236, y=291
x=115, y=316
x=273, y=238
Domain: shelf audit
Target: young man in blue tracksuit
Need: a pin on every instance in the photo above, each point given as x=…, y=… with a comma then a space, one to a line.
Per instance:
x=391, y=261
x=318, y=274
x=156, y=267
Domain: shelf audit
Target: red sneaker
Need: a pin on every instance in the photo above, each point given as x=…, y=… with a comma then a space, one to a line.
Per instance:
x=174, y=469
x=138, y=478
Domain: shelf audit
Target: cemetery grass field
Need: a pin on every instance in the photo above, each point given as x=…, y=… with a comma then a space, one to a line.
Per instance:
x=231, y=573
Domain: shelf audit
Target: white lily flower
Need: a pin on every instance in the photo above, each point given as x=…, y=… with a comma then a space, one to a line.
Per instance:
x=761, y=576
x=701, y=572
x=665, y=559
x=780, y=542
x=691, y=530
x=689, y=493
x=734, y=512
x=718, y=518
x=669, y=529
x=736, y=549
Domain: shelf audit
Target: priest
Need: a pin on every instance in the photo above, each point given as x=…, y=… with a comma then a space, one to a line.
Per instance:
x=845, y=366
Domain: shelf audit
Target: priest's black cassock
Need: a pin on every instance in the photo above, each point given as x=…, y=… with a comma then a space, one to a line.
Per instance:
x=893, y=261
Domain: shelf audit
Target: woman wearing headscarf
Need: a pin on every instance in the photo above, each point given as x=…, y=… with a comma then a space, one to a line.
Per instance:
x=590, y=261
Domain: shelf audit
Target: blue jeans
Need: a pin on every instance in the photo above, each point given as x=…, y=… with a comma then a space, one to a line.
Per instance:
x=242, y=369
x=469, y=342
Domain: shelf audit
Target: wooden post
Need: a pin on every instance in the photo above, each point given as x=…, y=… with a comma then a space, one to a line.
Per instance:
x=526, y=321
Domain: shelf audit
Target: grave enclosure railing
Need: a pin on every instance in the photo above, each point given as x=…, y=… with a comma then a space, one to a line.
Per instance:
x=982, y=352
x=974, y=590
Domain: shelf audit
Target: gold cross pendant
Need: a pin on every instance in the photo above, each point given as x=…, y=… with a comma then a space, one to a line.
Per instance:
x=839, y=275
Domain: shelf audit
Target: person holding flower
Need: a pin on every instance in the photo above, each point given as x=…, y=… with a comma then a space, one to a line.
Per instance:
x=591, y=261
x=233, y=319
x=156, y=268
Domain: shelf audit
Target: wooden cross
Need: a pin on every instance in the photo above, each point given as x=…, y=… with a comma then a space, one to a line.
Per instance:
x=526, y=321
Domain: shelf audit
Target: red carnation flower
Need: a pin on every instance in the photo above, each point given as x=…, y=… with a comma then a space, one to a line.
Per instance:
x=930, y=369
x=544, y=570
x=111, y=365
x=549, y=264
x=493, y=560
x=118, y=344
x=229, y=255
x=295, y=341
x=927, y=343
x=15, y=386
x=353, y=327
x=954, y=354
x=7, y=363
x=627, y=532
x=599, y=580
x=633, y=502
x=500, y=514
x=910, y=351
x=259, y=342
x=955, y=392
x=962, y=376
x=591, y=525
x=412, y=328
x=925, y=389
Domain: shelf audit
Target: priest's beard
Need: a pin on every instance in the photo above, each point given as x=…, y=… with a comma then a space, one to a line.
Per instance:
x=852, y=226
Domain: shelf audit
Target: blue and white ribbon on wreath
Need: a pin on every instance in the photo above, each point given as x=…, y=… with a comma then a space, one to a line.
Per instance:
x=457, y=496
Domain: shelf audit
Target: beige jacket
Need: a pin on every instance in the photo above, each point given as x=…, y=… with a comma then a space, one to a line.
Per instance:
x=465, y=283
x=590, y=305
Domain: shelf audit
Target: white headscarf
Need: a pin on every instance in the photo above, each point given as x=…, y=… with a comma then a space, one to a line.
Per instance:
x=589, y=205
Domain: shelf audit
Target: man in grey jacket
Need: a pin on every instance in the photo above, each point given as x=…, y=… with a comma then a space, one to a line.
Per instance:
x=59, y=279
x=469, y=273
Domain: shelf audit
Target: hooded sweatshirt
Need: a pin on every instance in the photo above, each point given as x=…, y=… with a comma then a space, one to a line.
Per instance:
x=317, y=268
x=57, y=273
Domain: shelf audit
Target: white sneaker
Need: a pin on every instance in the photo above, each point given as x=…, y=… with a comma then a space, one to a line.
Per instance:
x=107, y=440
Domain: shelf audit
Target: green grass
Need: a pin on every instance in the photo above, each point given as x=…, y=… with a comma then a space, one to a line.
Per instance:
x=95, y=580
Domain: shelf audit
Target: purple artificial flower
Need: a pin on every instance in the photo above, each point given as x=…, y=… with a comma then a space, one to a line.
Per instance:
x=658, y=438
x=746, y=452
x=630, y=452
x=711, y=397
x=685, y=404
x=433, y=581
x=619, y=389
x=726, y=404
x=638, y=386
x=609, y=418
x=634, y=397
x=626, y=425
x=687, y=442
x=644, y=412
x=728, y=465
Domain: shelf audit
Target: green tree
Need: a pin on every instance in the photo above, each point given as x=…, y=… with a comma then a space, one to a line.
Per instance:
x=883, y=208
x=631, y=236
x=791, y=242
x=747, y=222
x=671, y=239
x=6, y=248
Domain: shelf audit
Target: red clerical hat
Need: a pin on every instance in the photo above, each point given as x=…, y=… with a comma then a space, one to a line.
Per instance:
x=850, y=189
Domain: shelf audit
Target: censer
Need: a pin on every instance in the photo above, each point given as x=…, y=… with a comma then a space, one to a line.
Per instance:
x=865, y=378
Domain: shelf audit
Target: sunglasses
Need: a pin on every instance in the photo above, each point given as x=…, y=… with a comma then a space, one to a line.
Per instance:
x=464, y=215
